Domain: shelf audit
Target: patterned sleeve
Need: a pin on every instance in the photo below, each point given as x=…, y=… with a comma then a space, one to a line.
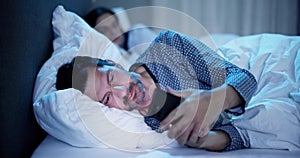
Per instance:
x=211, y=69
x=236, y=142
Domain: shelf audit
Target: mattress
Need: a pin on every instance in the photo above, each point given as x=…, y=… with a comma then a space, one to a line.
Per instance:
x=52, y=147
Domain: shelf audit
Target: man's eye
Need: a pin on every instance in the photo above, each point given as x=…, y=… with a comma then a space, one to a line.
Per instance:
x=111, y=77
x=106, y=100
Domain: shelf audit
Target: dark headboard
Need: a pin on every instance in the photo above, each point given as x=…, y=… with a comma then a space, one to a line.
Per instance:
x=26, y=43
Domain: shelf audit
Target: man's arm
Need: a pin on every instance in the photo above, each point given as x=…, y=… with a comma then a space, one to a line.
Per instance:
x=232, y=98
x=210, y=69
x=214, y=72
x=199, y=111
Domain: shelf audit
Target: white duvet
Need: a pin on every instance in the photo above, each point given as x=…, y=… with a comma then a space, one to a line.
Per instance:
x=272, y=119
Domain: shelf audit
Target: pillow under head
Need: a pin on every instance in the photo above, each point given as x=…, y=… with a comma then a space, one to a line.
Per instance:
x=71, y=116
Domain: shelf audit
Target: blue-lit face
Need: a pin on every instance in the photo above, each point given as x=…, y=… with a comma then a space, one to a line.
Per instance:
x=118, y=88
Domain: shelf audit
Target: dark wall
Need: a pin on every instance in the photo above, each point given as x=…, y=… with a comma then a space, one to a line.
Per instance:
x=25, y=44
x=298, y=19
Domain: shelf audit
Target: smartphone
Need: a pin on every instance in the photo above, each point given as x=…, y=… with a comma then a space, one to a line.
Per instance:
x=163, y=103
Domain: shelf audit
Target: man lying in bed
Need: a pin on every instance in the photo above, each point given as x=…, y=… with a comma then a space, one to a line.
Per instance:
x=210, y=86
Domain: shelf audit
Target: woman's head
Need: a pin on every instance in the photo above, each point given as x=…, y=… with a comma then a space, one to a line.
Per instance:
x=105, y=21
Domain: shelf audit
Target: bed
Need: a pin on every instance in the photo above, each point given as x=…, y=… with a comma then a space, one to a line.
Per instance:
x=52, y=147
x=74, y=129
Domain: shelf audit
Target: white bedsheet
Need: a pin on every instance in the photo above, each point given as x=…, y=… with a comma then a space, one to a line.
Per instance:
x=272, y=119
x=52, y=147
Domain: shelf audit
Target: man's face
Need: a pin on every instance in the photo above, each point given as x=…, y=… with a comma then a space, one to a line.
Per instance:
x=109, y=26
x=118, y=88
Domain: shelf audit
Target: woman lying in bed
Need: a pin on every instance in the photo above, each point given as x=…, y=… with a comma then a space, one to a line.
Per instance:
x=132, y=41
x=210, y=86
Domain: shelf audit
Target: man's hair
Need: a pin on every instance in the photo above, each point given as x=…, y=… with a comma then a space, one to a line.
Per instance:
x=92, y=16
x=75, y=73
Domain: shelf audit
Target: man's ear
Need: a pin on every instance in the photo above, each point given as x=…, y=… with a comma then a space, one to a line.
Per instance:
x=115, y=64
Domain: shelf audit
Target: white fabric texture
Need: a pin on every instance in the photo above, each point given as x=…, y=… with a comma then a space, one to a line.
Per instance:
x=272, y=119
x=140, y=38
x=72, y=117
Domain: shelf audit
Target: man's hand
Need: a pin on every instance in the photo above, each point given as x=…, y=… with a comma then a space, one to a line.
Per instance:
x=214, y=140
x=195, y=116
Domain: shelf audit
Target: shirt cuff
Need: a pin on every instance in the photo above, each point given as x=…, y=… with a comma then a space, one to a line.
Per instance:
x=152, y=122
x=245, y=84
x=236, y=141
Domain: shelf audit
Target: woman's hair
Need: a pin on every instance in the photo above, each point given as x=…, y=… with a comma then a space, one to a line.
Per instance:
x=74, y=74
x=92, y=16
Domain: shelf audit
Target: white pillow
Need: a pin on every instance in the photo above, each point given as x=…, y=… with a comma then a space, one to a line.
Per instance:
x=72, y=117
x=122, y=18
